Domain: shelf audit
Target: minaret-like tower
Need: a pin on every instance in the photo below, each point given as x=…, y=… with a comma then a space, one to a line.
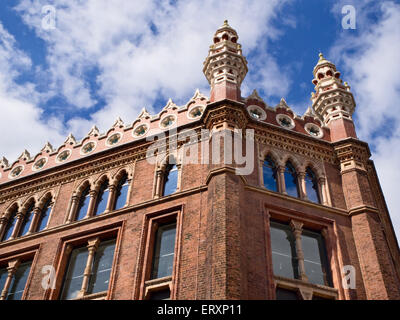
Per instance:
x=332, y=101
x=225, y=67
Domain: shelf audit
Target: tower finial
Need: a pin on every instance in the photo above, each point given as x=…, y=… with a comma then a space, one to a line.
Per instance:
x=321, y=56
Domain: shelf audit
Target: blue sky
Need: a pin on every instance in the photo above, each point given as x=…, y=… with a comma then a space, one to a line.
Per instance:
x=107, y=59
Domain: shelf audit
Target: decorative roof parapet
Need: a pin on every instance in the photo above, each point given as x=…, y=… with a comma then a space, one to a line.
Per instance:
x=144, y=114
x=254, y=95
x=47, y=148
x=25, y=156
x=4, y=163
x=170, y=105
x=118, y=123
x=70, y=140
x=93, y=132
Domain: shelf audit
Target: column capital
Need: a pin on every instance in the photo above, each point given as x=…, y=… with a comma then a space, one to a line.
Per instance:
x=296, y=226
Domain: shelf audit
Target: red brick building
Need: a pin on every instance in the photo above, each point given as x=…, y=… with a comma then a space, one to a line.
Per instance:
x=119, y=215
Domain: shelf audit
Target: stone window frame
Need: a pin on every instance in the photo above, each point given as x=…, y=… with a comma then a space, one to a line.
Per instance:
x=196, y=106
x=91, y=240
x=152, y=221
x=83, y=153
x=10, y=176
x=12, y=263
x=263, y=115
x=21, y=211
x=146, y=130
x=69, y=151
x=298, y=221
x=94, y=188
x=108, y=144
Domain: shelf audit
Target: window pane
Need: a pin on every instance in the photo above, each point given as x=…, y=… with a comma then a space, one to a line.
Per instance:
x=284, y=294
x=122, y=193
x=160, y=295
x=283, y=251
x=83, y=205
x=163, y=259
x=10, y=226
x=311, y=186
x=3, y=278
x=102, y=265
x=269, y=174
x=102, y=198
x=26, y=223
x=74, y=275
x=315, y=259
x=291, y=180
x=44, y=216
x=18, y=282
x=171, y=180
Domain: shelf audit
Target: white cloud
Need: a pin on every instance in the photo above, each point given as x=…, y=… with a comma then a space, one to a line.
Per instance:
x=372, y=68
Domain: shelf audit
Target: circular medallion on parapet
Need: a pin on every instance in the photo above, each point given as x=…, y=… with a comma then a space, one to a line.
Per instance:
x=88, y=147
x=140, y=130
x=39, y=164
x=16, y=172
x=114, y=139
x=256, y=112
x=63, y=156
x=195, y=112
x=167, y=121
x=314, y=130
x=285, y=121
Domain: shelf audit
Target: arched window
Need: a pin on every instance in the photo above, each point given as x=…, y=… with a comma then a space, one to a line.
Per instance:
x=170, y=179
x=44, y=216
x=290, y=174
x=121, y=194
x=10, y=225
x=312, y=186
x=102, y=198
x=26, y=223
x=83, y=204
x=269, y=174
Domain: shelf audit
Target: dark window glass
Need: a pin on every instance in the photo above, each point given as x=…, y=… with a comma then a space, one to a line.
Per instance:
x=102, y=198
x=284, y=294
x=18, y=281
x=83, y=204
x=315, y=259
x=269, y=174
x=44, y=216
x=26, y=223
x=74, y=275
x=291, y=180
x=160, y=295
x=121, y=193
x=312, y=186
x=163, y=258
x=3, y=278
x=283, y=251
x=101, y=269
x=171, y=180
x=10, y=226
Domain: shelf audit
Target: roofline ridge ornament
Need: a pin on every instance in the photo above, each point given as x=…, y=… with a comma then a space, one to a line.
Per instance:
x=4, y=162
x=47, y=148
x=70, y=139
x=25, y=155
x=143, y=113
x=170, y=105
x=198, y=95
x=254, y=95
x=94, y=131
x=118, y=123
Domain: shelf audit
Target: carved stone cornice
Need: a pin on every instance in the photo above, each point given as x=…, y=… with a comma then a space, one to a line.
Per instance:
x=226, y=111
x=352, y=149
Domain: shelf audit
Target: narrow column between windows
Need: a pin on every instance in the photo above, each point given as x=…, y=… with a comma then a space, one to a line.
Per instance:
x=3, y=224
x=281, y=175
x=11, y=269
x=92, y=246
x=159, y=183
x=111, y=198
x=301, y=182
x=297, y=229
x=20, y=218
x=322, y=190
x=36, y=215
x=74, y=207
x=92, y=203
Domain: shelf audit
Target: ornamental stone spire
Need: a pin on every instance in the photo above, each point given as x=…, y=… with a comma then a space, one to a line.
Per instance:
x=225, y=67
x=332, y=100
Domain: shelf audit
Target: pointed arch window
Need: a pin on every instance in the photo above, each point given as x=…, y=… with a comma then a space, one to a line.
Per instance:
x=26, y=223
x=270, y=174
x=312, y=186
x=83, y=204
x=12, y=220
x=121, y=192
x=170, y=179
x=102, y=198
x=292, y=188
x=44, y=215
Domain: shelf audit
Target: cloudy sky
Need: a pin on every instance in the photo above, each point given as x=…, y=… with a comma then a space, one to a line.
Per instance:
x=106, y=59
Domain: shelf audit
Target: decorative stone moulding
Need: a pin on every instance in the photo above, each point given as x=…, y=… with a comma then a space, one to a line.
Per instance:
x=63, y=156
x=256, y=112
x=88, y=148
x=167, y=121
x=16, y=172
x=39, y=164
x=114, y=139
x=195, y=112
x=140, y=130
x=285, y=121
x=314, y=130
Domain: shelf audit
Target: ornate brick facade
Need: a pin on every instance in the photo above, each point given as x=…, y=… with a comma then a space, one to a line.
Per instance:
x=223, y=236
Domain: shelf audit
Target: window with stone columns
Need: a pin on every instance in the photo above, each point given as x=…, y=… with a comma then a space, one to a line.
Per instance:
x=270, y=174
x=300, y=262
x=8, y=222
x=86, y=267
x=290, y=183
x=121, y=191
x=311, y=186
x=102, y=198
x=14, y=276
x=168, y=177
